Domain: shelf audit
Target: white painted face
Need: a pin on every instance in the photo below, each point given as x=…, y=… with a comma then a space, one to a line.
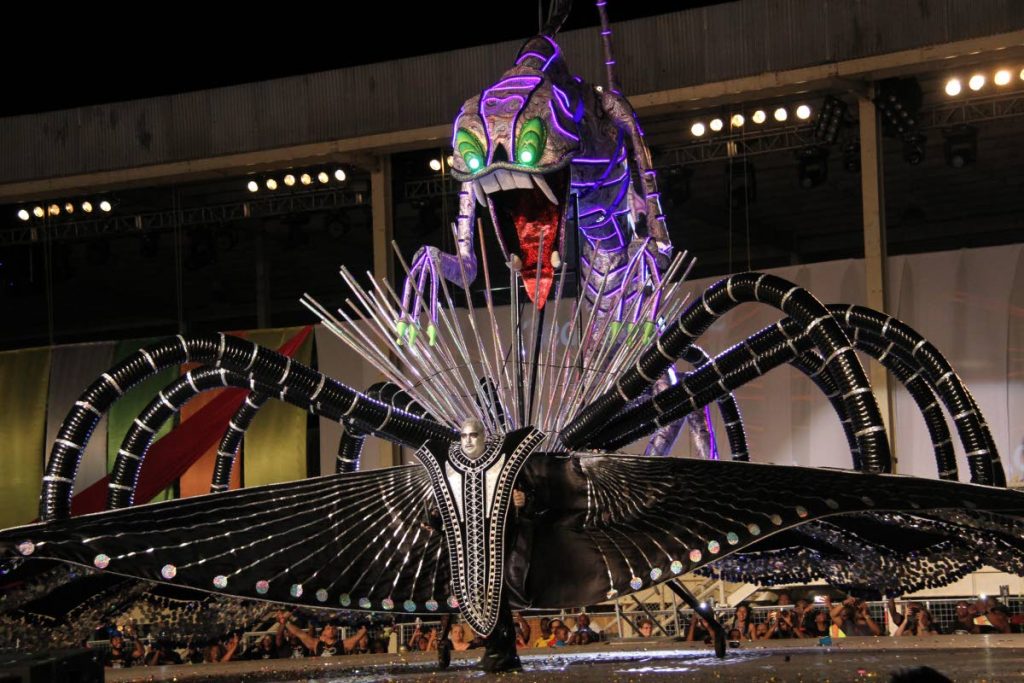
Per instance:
x=472, y=435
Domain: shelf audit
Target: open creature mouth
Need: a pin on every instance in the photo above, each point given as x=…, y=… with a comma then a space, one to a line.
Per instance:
x=532, y=207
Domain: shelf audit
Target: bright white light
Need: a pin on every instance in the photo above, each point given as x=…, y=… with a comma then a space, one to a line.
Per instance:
x=105, y=206
x=271, y=184
x=339, y=175
x=716, y=125
x=38, y=212
x=781, y=114
x=450, y=160
x=323, y=177
x=977, y=82
x=435, y=164
x=803, y=112
x=253, y=186
x=289, y=180
x=1002, y=77
x=697, y=129
x=759, y=116
x=953, y=87
x=305, y=179
x=23, y=214
x=87, y=207
x=737, y=120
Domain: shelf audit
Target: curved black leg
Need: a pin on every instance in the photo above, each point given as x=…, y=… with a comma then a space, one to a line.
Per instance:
x=444, y=646
x=717, y=629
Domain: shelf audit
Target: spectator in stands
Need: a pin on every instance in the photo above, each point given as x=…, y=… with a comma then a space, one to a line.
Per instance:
x=780, y=625
x=421, y=641
x=329, y=644
x=741, y=622
x=918, y=621
x=963, y=618
x=645, y=628
x=546, y=638
x=122, y=654
x=162, y=653
x=561, y=635
x=851, y=616
x=522, y=630
x=219, y=652
x=264, y=648
x=699, y=631
x=993, y=616
x=583, y=634
x=816, y=624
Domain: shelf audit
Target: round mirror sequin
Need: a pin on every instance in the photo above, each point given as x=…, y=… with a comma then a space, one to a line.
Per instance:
x=26, y=547
x=345, y=600
x=754, y=529
x=801, y=511
x=220, y=581
x=295, y=590
x=776, y=520
x=732, y=538
x=101, y=561
x=409, y=606
x=453, y=602
x=714, y=547
x=364, y=603
x=262, y=586
x=676, y=567
x=431, y=605
x=636, y=583
x=387, y=603
x=613, y=593
x=655, y=574
x=169, y=571
x=321, y=595
x=870, y=502
x=695, y=555
x=832, y=504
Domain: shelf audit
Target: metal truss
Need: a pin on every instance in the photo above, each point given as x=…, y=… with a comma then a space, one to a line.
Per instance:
x=114, y=224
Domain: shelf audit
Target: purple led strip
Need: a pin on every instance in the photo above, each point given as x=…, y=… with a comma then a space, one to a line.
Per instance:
x=558, y=126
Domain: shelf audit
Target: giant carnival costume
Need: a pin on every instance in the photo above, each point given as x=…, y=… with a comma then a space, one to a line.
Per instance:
x=544, y=153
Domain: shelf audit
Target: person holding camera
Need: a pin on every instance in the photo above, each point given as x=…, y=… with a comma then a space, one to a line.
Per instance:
x=328, y=644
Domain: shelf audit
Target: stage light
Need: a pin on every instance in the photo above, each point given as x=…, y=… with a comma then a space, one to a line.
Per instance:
x=105, y=206
x=961, y=145
x=781, y=114
x=323, y=177
x=737, y=121
x=813, y=166
x=716, y=125
x=53, y=210
x=450, y=160
x=435, y=164
x=898, y=101
x=803, y=112
x=271, y=184
x=697, y=129
x=953, y=87
x=289, y=180
x=914, y=146
x=305, y=179
x=1002, y=77
x=69, y=207
x=851, y=157
x=830, y=119
x=339, y=175
x=23, y=214
x=38, y=212
x=977, y=82
x=87, y=206
x=759, y=116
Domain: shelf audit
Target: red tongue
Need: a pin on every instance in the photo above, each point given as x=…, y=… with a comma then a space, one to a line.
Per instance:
x=543, y=220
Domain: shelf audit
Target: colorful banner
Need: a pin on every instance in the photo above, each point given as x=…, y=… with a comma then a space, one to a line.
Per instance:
x=24, y=381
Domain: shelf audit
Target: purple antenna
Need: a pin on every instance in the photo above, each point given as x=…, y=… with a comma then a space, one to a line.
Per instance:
x=606, y=40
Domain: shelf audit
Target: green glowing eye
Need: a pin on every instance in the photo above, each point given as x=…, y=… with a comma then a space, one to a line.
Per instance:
x=532, y=137
x=470, y=149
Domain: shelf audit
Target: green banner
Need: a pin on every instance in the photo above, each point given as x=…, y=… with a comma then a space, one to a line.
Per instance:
x=24, y=385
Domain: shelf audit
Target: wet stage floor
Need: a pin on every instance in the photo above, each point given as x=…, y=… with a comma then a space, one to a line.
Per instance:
x=961, y=658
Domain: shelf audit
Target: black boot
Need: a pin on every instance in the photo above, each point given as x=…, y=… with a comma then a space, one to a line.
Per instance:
x=500, y=653
x=444, y=646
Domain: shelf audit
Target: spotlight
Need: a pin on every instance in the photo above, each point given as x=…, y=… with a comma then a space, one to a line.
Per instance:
x=87, y=206
x=38, y=212
x=105, y=206
x=781, y=114
x=977, y=82
x=830, y=119
x=913, y=148
x=435, y=164
x=737, y=120
x=759, y=116
x=803, y=112
x=1022, y=74
x=1002, y=77
x=450, y=160
x=323, y=177
x=289, y=180
x=953, y=87
x=69, y=207
x=703, y=605
x=898, y=101
x=305, y=179
x=23, y=214
x=339, y=175
x=697, y=129
x=271, y=184
x=851, y=157
x=53, y=210
x=961, y=145
x=813, y=166
x=740, y=183
x=716, y=125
